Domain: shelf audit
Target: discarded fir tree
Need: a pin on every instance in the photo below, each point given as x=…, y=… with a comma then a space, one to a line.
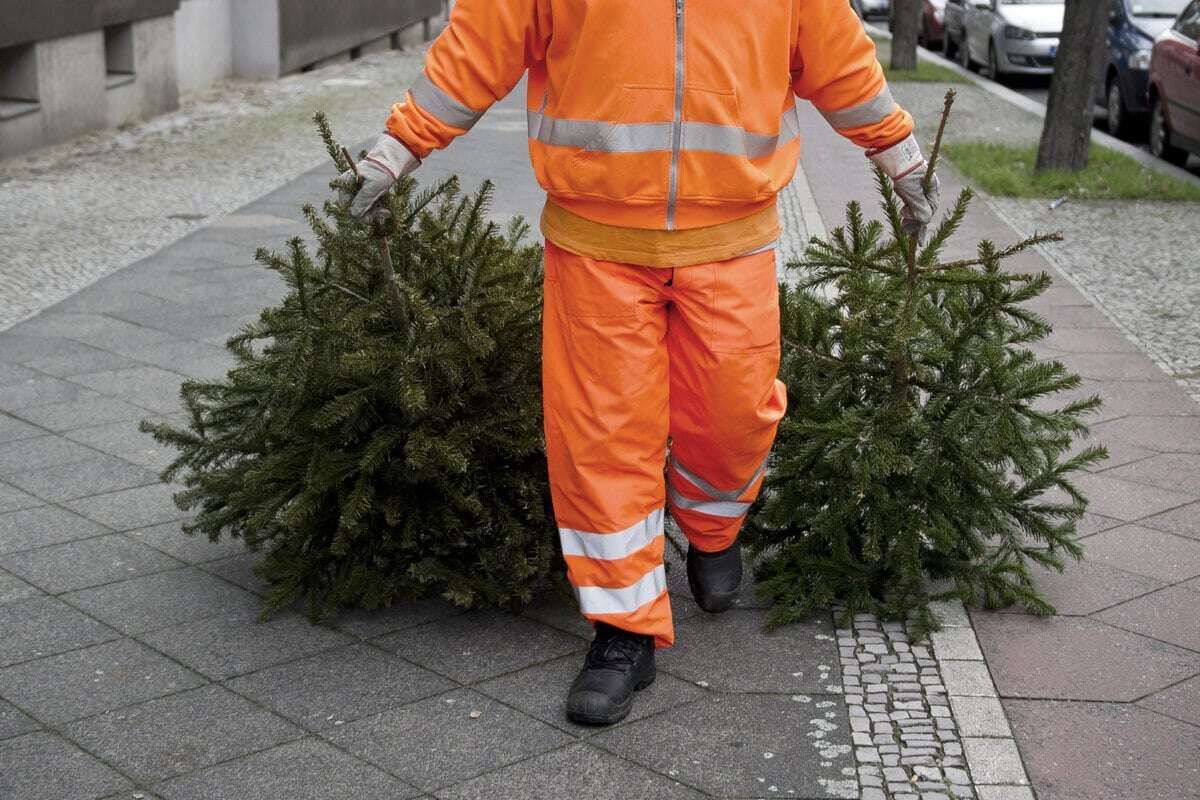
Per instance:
x=380, y=434
x=916, y=461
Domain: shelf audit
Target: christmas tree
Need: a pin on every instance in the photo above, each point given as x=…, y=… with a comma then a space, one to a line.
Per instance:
x=916, y=461
x=380, y=435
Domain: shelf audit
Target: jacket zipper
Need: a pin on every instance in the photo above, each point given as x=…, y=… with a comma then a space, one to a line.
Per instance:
x=677, y=121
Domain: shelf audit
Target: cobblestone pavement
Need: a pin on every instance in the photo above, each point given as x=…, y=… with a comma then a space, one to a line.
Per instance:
x=74, y=212
x=133, y=664
x=1134, y=260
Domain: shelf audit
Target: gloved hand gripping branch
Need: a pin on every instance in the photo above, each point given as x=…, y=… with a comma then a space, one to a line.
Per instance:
x=904, y=164
x=379, y=170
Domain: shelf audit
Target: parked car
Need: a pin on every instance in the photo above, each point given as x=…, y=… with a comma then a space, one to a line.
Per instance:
x=930, y=33
x=1175, y=89
x=1011, y=36
x=953, y=27
x=1133, y=25
x=875, y=8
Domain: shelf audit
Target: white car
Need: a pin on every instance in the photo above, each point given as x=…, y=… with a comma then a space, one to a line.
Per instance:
x=1012, y=36
x=875, y=8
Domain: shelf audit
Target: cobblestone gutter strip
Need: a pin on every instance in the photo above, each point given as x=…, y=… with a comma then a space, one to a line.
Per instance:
x=926, y=720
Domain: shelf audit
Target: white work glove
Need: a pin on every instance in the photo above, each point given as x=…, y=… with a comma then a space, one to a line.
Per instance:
x=380, y=169
x=904, y=164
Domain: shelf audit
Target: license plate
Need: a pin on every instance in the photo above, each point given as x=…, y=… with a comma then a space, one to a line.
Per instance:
x=1053, y=51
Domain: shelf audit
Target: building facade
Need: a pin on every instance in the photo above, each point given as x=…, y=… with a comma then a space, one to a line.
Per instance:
x=70, y=66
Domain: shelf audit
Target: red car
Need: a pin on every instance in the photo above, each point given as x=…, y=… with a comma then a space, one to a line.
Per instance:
x=933, y=23
x=1175, y=89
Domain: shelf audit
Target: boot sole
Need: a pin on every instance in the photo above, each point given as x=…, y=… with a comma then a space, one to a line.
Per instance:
x=618, y=715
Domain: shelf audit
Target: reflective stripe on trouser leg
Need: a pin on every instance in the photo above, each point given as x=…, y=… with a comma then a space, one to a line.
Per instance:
x=605, y=378
x=726, y=402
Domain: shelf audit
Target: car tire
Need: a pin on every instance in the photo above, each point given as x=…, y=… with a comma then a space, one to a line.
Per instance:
x=1118, y=115
x=993, y=65
x=964, y=55
x=949, y=48
x=1160, y=135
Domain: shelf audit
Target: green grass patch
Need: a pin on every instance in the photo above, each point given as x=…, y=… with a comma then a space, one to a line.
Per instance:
x=1006, y=171
x=926, y=72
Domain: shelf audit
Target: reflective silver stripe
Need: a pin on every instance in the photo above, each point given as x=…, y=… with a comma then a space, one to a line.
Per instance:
x=612, y=546
x=441, y=105
x=709, y=489
x=625, y=600
x=677, y=133
x=877, y=109
x=763, y=249
x=714, y=508
x=649, y=137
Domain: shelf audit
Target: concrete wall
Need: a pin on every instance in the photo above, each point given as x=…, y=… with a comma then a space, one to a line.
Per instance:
x=154, y=88
x=256, y=39
x=204, y=42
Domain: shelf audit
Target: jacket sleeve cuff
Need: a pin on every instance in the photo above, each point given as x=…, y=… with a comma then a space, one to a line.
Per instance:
x=391, y=153
x=898, y=159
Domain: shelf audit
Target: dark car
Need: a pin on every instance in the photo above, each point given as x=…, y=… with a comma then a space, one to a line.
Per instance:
x=1175, y=89
x=1133, y=25
x=954, y=32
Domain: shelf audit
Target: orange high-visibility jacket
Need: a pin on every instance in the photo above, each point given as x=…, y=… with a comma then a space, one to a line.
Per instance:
x=661, y=114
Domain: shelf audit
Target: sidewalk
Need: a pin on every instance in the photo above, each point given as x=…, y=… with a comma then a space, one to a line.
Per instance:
x=133, y=667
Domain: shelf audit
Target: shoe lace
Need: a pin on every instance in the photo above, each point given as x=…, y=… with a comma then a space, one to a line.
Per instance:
x=614, y=652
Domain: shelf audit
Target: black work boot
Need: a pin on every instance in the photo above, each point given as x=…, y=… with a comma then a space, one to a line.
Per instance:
x=714, y=578
x=618, y=664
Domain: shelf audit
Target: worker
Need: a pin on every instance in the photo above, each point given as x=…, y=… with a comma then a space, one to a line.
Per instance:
x=661, y=131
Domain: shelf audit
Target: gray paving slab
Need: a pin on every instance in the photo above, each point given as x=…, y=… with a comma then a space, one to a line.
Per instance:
x=43, y=526
x=1085, y=750
x=12, y=429
x=93, y=409
x=446, y=739
x=1170, y=615
x=579, y=769
x=127, y=509
x=40, y=391
x=1146, y=551
x=14, y=722
x=162, y=600
x=339, y=686
x=124, y=440
x=1077, y=658
x=733, y=652
x=88, y=562
x=74, y=358
x=42, y=766
x=42, y=626
x=301, y=770
x=1087, y=586
x=13, y=589
x=1181, y=701
x=368, y=624
x=29, y=453
x=1165, y=434
x=92, y=680
x=743, y=745
x=1176, y=472
x=153, y=388
x=239, y=570
x=15, y=374
x=480, y=645
x=13, y=499
x=1112, y=497
x=170, y=538
x=228, y=645
x=1183, y=521
x=181, y=733
x=541, y=691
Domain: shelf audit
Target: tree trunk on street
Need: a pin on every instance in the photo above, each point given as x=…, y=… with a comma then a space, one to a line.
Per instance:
x=1068, y=127
x=906, y=24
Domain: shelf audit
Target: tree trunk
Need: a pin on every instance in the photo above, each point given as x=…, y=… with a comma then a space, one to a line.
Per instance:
x=1068, y=127
x=906, y=24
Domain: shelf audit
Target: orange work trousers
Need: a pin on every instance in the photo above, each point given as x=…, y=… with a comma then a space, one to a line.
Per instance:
x=634, y=356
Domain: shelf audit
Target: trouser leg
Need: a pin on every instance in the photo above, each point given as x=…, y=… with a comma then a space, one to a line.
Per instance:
x=605, y=383
x=725, y=402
